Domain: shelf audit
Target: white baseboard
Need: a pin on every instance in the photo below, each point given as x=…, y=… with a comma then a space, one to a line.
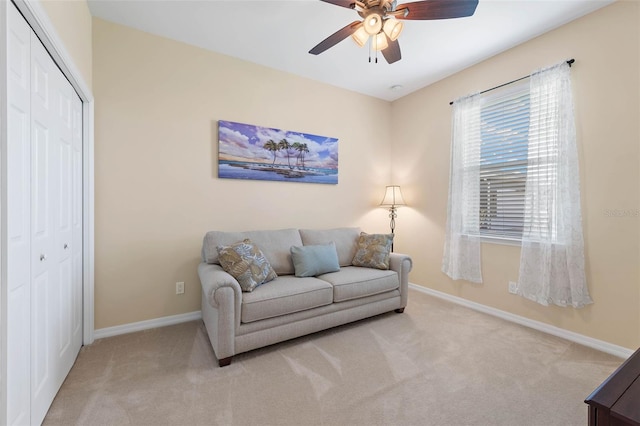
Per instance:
x=600, y=345
x=146, y=325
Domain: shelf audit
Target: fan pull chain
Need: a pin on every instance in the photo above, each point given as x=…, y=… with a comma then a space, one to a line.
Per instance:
x=371, y=46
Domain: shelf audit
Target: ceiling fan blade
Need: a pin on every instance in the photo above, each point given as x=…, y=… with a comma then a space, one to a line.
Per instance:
x=349, y=4
x=336, y=38
x=392, y=52
x=437, y=9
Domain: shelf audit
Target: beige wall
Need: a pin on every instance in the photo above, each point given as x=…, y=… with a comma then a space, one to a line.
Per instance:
x=157, y=106
x=606, y=86
x=72, y=22
x=157, y=192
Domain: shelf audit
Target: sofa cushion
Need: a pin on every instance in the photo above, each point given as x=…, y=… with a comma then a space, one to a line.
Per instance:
x=309, y=261
x=343, y=238
x=275, y=245
x=373, y=250
x=285, y=295
x=353, y=282
x=246, y=263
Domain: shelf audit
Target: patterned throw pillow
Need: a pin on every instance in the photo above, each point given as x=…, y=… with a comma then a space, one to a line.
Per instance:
x=246, y=263
x=372, y=250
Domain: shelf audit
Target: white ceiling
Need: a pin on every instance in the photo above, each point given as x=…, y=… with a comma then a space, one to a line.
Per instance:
x=279, y=34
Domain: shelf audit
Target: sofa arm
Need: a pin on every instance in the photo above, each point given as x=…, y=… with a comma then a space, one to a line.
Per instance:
x=213, y=278
x=402, y=264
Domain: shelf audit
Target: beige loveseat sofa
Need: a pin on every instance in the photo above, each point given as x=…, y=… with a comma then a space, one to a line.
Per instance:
x=290, y=306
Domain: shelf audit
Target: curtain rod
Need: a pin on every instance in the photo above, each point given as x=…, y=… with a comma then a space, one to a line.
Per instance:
x=570, y=61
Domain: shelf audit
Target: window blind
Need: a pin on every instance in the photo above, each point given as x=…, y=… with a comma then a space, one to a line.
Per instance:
x=503, y=162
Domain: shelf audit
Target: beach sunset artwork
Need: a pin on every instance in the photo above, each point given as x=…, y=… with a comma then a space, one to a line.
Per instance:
x=262, y=153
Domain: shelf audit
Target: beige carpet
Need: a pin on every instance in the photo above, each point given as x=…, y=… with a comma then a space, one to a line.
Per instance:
x=436, y=364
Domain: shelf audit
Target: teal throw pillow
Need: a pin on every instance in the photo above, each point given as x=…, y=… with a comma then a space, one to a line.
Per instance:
x=309, y=261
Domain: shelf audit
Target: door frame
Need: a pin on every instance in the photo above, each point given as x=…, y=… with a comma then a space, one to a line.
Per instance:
x=39, y=21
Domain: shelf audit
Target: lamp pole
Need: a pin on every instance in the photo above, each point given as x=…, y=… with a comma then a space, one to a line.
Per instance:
x=392, y=199
x=392, y=223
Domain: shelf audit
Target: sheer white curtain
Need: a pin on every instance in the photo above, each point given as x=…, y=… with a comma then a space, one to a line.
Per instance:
x=552, y=257
x=461, y=258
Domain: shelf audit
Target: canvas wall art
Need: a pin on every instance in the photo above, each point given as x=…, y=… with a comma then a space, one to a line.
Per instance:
x=253, y=152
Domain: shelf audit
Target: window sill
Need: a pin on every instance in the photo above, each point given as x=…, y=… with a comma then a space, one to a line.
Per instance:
x=501, y=241
x=496, y=240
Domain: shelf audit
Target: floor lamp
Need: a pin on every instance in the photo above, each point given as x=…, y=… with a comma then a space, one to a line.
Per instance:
x=392, y=199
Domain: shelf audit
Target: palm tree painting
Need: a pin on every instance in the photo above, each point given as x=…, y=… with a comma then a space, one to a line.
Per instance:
x=247, y=151
x=286, y=147
x=273, y=147
x=302, y=149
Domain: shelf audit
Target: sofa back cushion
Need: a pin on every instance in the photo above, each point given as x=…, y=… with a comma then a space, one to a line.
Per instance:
x=275, y=244
x=344, y=238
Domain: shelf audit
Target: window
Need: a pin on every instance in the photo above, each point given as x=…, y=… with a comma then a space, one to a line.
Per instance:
x=514, y=175
x=504, y=133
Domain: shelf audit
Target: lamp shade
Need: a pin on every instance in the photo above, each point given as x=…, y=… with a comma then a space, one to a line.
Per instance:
x=392, y=28
x=392, y=197
x=360, y=36
x=372, y=23
x=380, y=41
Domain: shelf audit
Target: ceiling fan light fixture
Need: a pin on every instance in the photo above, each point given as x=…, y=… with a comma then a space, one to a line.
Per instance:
x=379, y=22
x=372, y=23
x=360, y=36
x=380, y=41
x=392, y=28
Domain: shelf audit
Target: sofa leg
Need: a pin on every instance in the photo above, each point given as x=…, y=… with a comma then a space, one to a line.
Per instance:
x=400, y=310
x=225, y=361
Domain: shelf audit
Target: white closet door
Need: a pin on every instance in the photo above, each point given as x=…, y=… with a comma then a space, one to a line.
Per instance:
x=55, y=339
x=68, y=224
x=45, y=255
x=44, y=217
x=77, y=227
x=18, y=220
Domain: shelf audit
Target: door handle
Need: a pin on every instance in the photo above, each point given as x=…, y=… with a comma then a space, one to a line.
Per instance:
x=43, y=257
x=66, y=246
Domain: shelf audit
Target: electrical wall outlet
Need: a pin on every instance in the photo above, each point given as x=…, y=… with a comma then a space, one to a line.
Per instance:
x=513, y=287
x=180, y=288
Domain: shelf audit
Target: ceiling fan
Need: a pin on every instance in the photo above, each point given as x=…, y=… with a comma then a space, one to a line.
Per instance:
x=381, y=22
